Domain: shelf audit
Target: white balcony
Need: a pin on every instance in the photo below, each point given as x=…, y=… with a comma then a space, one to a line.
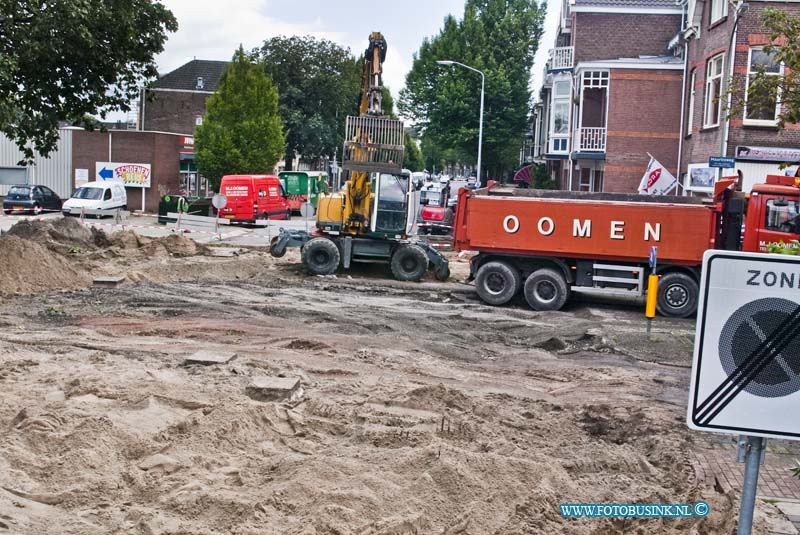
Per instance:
x=591, y=139
x=560, y=58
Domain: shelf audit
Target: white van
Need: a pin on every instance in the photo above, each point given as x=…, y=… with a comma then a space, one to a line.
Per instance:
x=96, y=196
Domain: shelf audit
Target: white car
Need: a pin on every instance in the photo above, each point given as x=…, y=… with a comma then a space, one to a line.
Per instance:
x=96, y=196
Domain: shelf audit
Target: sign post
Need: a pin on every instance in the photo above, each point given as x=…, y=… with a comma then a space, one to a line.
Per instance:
x=219, y=202
x=746, y=368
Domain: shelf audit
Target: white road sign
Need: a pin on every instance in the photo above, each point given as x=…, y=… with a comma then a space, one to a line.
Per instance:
x=746, y=369
x=133, y=175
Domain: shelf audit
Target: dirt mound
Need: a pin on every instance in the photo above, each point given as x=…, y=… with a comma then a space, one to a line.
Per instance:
x=63, y=235
x=178, y=245
x=26, y=267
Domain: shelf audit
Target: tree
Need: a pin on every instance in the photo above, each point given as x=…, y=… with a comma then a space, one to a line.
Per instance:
x=241, y=131
x=498, y=37
x=765, y=90
x=413, y=158
x=61, y=60
x=318, y=82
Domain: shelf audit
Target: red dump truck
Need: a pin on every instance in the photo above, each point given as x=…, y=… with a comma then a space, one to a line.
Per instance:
x=548, y=244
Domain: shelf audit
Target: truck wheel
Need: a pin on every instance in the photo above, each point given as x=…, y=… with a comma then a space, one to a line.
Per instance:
x=677, y=295
x=320, y=256
x=409, y=263
x=546, y=289
x=497, y=283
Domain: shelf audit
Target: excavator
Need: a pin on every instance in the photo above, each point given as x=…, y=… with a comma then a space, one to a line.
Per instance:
x=371, y=218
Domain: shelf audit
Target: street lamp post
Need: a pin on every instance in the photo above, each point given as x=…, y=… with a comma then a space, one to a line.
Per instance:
x=480, y=123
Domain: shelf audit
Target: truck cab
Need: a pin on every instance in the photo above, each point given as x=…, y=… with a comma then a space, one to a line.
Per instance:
x=773, y=213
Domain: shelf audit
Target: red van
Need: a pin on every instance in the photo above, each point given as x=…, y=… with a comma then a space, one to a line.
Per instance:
x=252, y=197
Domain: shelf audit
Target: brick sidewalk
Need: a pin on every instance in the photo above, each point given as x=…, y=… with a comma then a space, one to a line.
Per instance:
x=716, y=461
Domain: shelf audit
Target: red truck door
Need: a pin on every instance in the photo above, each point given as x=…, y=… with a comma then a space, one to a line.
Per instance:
x=273, y=203
x=771, y=218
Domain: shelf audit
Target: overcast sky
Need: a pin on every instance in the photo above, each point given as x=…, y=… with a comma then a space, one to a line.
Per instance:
x=213, y=29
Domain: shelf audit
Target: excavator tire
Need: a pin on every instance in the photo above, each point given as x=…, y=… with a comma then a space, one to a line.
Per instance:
x=320, y=256
x=274, y=251
x=409, y=263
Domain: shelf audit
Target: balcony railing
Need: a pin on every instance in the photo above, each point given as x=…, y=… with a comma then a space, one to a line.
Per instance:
x=561, y=58
x=591, y=139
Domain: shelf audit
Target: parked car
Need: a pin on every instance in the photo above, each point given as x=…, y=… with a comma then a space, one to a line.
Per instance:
x=253, y=197
x=96, y=196
x=31, y=198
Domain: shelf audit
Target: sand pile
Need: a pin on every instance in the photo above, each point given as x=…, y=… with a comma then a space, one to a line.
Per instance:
x=27, y=267
x=63, y=235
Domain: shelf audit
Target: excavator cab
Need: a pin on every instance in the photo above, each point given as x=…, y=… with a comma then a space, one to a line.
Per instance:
x=391, y=204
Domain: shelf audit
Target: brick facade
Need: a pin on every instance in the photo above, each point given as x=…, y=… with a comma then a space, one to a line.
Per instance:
x=173, y=111
x=713, y=39
x=599, y=36
x=643, y=118
x=157, y=149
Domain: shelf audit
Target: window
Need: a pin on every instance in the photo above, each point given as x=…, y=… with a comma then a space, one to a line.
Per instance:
x=198, y=120
x=107, y=195
x=766, y=110
x=200, y=83
x=713, y=89
x=560, y=116
x=719, y=9
x=782, y=216
x=591, y=180
x=690, y=110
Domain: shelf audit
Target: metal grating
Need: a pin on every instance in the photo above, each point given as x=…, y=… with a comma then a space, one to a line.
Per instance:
x=373, y=144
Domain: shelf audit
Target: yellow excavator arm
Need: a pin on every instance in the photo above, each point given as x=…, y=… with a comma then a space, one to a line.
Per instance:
x=373, y=144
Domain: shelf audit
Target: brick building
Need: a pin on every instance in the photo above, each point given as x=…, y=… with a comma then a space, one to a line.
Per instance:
x=176, y=103
x=717, y=32
x=612, y=94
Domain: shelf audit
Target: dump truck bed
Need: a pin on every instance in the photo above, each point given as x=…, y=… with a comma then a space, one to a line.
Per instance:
x=598, y=226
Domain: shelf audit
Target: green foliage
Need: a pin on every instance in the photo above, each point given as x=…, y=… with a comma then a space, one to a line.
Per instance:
x=62, y=60
x=413, y=157
x=498, y=37
x=784, y=31
x=435, y=157
x=318, y=82
x=541, y=180
x=241, y=131
x=791, y=248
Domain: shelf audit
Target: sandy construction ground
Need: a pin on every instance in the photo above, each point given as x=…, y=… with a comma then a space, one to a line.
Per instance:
x=420, y=410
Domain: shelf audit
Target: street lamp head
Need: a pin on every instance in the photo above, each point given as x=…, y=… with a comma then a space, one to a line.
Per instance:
x=445, y=62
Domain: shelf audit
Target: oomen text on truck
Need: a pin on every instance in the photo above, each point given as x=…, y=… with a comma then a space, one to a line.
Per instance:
x=548, y=244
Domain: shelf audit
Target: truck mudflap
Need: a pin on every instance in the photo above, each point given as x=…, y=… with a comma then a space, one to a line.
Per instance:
x=439, y=264
x=286, y=239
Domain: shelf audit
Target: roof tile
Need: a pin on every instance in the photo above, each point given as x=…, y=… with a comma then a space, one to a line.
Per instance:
x=185, y=77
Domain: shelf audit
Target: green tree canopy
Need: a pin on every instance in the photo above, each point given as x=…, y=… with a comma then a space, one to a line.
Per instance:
x=241, y=132
x=412, y=160
x=318, y=82
x=765, y=90
x=61, y=60
x=498, y=37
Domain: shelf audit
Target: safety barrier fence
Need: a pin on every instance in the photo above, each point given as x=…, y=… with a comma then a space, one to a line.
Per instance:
x=222, y=230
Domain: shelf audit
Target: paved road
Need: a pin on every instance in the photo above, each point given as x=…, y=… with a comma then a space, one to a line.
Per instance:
x=148, y=226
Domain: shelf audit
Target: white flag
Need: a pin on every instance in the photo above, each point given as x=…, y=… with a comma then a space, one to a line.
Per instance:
x=657, y=180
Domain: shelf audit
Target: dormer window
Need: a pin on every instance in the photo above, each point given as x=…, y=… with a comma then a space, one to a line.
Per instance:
x=200, y=83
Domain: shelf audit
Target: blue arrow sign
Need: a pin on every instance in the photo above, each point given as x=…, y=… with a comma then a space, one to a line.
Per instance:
x=653, y=256
x=106, y=174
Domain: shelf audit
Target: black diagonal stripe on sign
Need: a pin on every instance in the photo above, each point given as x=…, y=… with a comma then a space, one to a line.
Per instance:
x=751, y=361
x=772, y=346
x=778, y=349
